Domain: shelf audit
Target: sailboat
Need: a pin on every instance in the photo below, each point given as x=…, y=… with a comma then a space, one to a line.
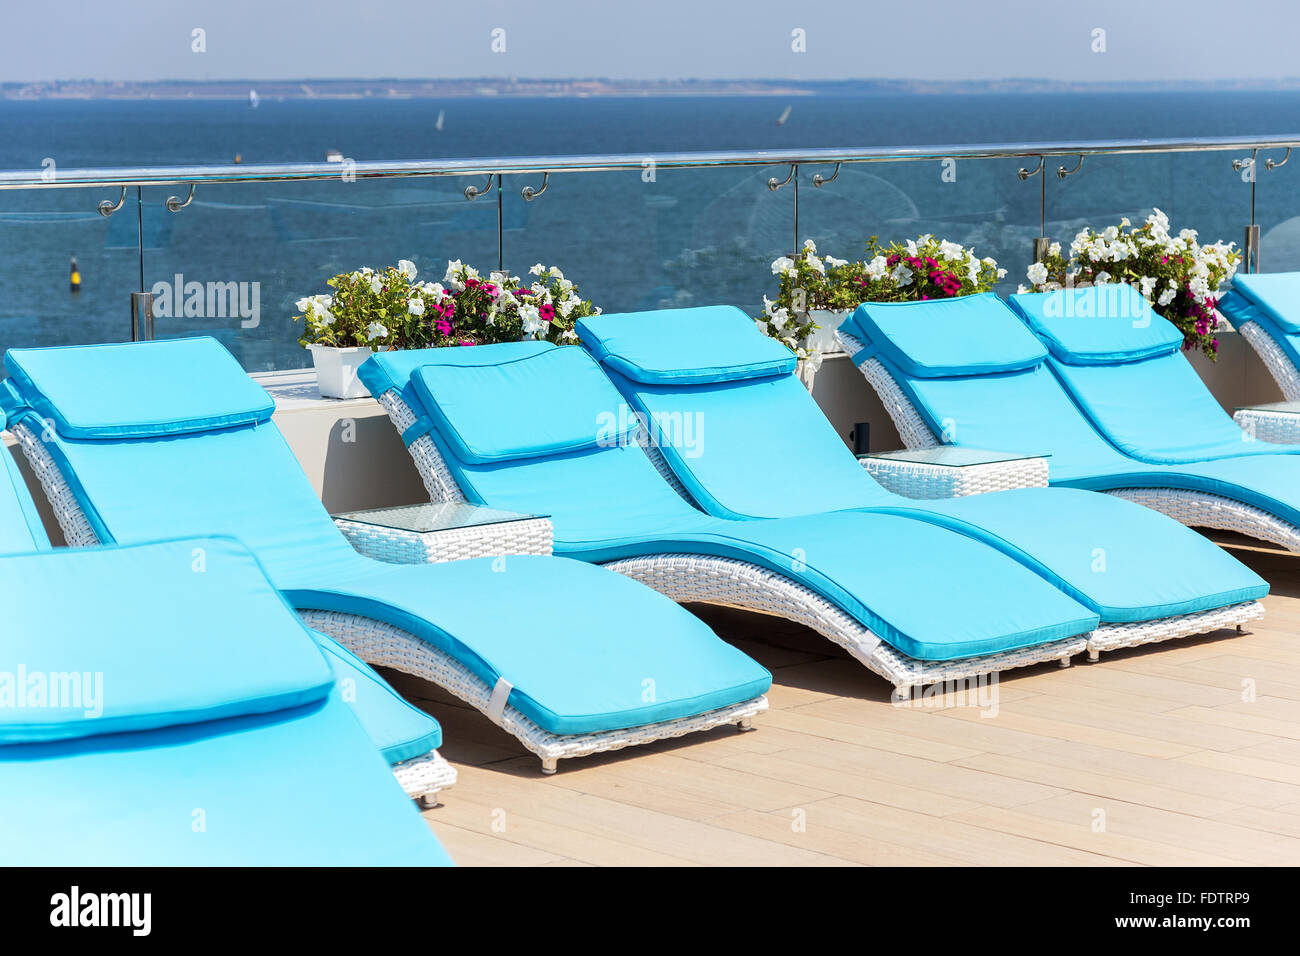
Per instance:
x=780, y=120
x=253, y=99
x=438, y=122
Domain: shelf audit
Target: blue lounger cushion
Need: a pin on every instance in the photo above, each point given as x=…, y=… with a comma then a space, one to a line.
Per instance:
x=20, y=524
x=950, y=341
x=207, y=716
x=772, y=427
x=1097, y=325
x=207, y=639
x=1276, y=294
x=1031, y=411
x=245, y=481
x=192, y=381
x=531, y=413
x=650, y=352
x=392, y=371
x=295, y=788
x=400, y=731
x=609, y=503
x=1144, y=397
x=1271, y=301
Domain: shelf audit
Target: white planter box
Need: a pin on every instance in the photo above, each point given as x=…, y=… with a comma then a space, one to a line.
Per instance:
x=336, y=370
x=824, y=338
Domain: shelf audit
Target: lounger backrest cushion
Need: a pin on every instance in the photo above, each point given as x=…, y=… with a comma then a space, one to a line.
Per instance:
x=1097, y=325
x=20, y=524
x=1123, y=366
x=243, y=480
x=1022, y=410
x=1276, y=294
x=138, y=390
x=943, y=338
x=549, y=403
x=108, y=640
x=756, y=447
x=393, y=370
x=602, y=490
x=1272, y=302
x=681, y=346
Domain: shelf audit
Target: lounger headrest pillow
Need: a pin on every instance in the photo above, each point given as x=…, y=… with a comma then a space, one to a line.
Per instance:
x=1098, y=325
x=946, y=338
x=392, y=371
x=684, y=346
x=138, y=389
x=119, y=639
x=1276, y=294
x=551, y=403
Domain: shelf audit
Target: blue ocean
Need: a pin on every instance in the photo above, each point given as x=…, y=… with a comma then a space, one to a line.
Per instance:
x=686, y=237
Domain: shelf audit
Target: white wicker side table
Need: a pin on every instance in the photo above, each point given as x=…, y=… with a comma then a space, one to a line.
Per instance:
x=1276, y=422
x=447, y=531
x=951, y=471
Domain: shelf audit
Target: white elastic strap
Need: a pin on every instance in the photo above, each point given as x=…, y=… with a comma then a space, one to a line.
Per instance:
x=496, y=705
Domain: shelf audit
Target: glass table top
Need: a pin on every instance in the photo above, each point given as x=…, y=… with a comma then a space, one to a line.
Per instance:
x=955, y=456
x=444, y=516
x=1279, y=408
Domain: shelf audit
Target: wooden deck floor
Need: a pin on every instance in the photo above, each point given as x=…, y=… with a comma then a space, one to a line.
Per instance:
x=1148, y=757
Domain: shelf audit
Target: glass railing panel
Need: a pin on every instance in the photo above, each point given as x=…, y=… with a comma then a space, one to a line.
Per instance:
x=686, y=237
x=979, y=203
x=253, y=249
x=1277, y=211
x=1199, y=191
x=41, y=232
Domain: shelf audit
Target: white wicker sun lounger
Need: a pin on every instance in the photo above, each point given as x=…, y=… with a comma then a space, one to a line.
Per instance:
x=1193, y=508
x=733, y=583
x=385, y=645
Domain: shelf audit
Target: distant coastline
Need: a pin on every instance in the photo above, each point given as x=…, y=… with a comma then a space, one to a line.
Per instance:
x=350, y=89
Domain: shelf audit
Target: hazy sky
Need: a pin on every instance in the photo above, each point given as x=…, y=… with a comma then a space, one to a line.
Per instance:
x=940, y=39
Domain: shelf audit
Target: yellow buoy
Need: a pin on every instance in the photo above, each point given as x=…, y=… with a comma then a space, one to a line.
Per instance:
x=74, y=280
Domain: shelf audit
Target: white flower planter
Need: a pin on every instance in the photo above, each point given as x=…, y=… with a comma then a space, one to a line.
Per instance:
x=336, y=370
x=823, y=340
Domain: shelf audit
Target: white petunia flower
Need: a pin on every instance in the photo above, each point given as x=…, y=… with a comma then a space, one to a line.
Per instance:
x=376, y=330
x=376, y=285
x=407, y=268
x=783, y=264
x=877, y=268
x=902, y=274
x=532, y=320
x=1036, y=273
x=415, y=306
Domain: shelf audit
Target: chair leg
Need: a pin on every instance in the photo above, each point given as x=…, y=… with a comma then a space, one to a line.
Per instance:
x=1064, y=661
x=429, y=801
x=549, y=765
x=1094, y=655
x=745, y=725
